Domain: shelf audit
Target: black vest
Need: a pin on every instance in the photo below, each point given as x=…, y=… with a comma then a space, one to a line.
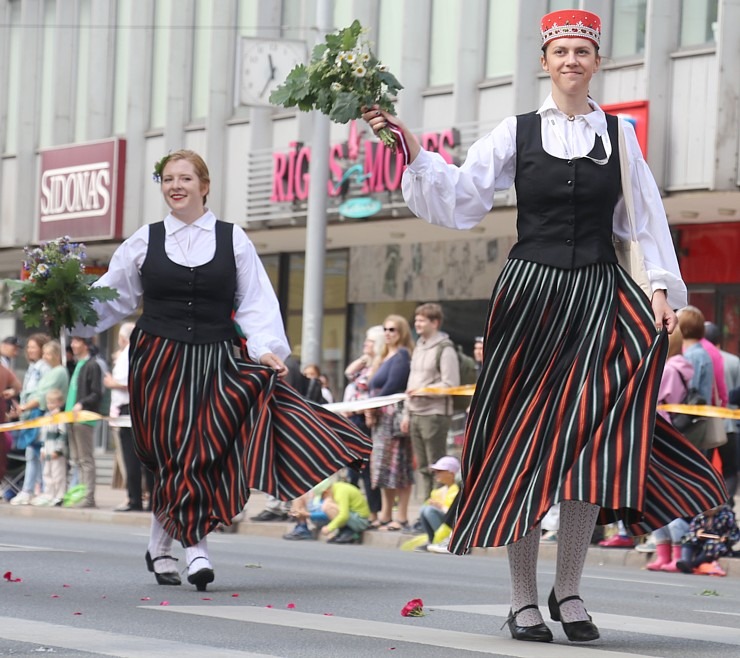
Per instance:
x=189, y=304
x=565, y=208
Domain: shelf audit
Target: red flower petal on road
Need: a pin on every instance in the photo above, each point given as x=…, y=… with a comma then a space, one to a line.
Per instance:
x=66, y=585
x=290, y=606
x=164, y=603
x=146, y=598
x=235, y=596
x=328, y=614
x=55, y=596
x=9, y=577
x=414, y=608
x=205, y=598
x=76, y=613
x=268, y=606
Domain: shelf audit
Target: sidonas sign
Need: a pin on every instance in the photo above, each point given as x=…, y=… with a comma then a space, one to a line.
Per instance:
x=81, y=191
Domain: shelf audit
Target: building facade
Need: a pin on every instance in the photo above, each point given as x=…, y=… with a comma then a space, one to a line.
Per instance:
x=139, y=78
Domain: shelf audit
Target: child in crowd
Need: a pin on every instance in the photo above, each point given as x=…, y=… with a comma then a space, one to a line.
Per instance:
x=338, y=508
x=711, y=536
x=53, y=454
x=432, y=514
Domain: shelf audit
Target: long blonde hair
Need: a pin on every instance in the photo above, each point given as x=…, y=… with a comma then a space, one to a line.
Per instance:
x=404, y=338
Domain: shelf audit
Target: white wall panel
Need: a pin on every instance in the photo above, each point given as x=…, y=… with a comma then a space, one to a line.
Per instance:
x=692, y=123
x=9, y=178
x=495, y=104
x=622, y=85
x=437, y=112
x=154, y=206
x=237, y=148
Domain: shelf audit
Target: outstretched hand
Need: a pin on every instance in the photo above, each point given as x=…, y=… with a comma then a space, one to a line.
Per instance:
x=663, y=313
x=378, y=119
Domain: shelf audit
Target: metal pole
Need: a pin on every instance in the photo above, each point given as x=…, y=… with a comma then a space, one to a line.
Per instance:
x=313, y=282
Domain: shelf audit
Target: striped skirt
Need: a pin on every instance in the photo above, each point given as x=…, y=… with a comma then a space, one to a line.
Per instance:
x=212, y=426
x=565, y=409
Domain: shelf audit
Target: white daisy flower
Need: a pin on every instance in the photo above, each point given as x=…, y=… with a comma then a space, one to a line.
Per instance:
x=360, y=71
x=335, y=86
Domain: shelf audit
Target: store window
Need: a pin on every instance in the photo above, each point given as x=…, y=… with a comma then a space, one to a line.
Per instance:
x=160, y=63
x=121, y=78
x=83, y=71
x=46, y=124
x=501, y=36
x=698, y=22
x=443, y=42
x=202, y=37
x=389, y=37
x=628, y=28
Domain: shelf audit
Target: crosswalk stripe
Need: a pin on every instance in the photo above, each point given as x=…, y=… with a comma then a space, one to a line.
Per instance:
x=105, y=643
x=661, y=627
x=488, y=644
x=20, y=547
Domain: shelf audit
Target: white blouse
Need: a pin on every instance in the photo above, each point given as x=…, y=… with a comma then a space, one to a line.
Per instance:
x=192, y=245
x=460, y=197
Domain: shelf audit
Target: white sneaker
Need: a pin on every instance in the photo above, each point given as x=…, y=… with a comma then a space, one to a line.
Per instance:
x=439, y=547
x=42, y=500
x=23, y=498
x=646, y=547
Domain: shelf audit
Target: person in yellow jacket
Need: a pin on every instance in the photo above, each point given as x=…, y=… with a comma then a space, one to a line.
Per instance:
x=432, y=513
x=347, y=510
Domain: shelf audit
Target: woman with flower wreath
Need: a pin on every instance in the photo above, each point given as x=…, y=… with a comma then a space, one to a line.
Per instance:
x=211, y=425
x=565, y=405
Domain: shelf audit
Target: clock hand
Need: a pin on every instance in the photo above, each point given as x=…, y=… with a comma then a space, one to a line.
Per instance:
x=271, y=78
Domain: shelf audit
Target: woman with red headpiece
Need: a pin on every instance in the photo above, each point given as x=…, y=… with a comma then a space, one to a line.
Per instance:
x=565, y=406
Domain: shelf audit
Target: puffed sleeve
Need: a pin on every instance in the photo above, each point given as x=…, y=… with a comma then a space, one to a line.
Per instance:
x=257, y=307
x=651, y=225
x=460, y=197
x=123, y=275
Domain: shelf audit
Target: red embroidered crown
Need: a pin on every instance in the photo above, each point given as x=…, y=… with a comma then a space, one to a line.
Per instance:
x=570, y=23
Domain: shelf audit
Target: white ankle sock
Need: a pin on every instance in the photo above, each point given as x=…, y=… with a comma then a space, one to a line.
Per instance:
x=160, y=543
x=200, y=550
x=523, y=571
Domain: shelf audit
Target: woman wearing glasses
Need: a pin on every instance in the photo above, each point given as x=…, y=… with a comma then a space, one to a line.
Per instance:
x=391, y=462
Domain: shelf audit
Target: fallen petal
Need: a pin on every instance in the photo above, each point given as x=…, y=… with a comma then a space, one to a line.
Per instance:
x=328, y=614
x=290, y=606
x=235, y=596
x=145, y=598
x=55, y=596
x=164, y=603
x=66, y=585
x=268, y=606
x=205, y=598
x=76, y=613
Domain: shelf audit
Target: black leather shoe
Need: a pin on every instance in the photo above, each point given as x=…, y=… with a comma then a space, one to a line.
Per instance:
x=128, y=508
x=577, y=631
x=537, y=633
x=202, y=577
x=169, y=578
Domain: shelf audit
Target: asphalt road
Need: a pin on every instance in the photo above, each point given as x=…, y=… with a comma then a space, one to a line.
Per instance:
x=84, y=591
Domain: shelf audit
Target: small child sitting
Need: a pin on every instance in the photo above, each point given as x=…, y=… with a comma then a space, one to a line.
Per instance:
x=338, y=508
x=53, y=454
x=711, y=535
x=432, y=513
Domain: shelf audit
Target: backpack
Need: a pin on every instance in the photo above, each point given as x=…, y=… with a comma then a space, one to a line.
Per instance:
x=468, y=373
x=686, y=423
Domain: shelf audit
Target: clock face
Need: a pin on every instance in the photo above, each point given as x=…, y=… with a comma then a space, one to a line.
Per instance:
x=265, y=65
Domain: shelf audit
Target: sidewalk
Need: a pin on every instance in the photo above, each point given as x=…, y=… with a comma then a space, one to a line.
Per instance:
x=108, y=498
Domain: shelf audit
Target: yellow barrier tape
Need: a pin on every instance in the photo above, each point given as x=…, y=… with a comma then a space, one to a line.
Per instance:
x=53, y=419
x=466, y=389
x=701, y=410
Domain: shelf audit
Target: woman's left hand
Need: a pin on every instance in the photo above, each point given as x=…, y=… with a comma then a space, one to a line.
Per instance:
x=664, y=314
x=274, y=361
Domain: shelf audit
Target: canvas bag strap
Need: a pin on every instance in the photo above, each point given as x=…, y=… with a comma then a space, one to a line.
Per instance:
x=624, y=167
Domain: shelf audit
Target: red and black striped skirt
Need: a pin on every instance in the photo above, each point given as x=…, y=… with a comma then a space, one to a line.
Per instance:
x=212, y=426
x=565, y=409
